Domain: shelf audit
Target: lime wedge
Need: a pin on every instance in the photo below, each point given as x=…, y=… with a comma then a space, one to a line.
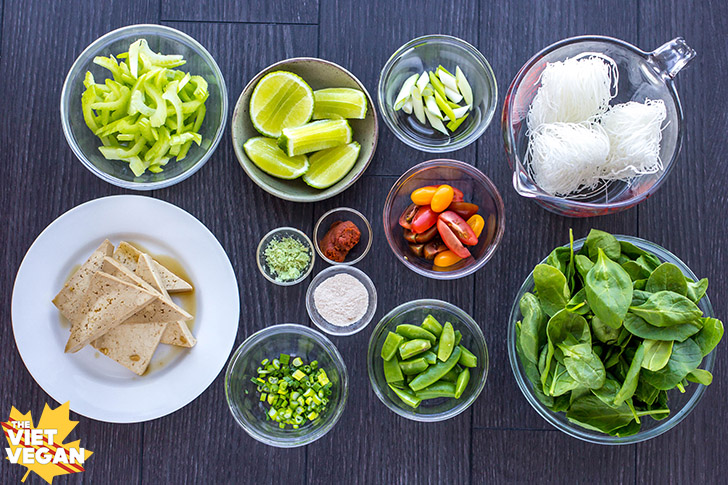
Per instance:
x=266, y=155
x=280, y=100
x=330, y=166
x=337, y=103
x=315, y=136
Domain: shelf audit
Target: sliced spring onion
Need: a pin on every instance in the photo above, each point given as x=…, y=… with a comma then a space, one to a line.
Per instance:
x=436, y=122
x=464, y=86
x=407, y=106
x=453, y=95
x=431, y=106
x=417, y=105
x=455, y=124
x=405, y=92
x=447, y=79
x=444, y=107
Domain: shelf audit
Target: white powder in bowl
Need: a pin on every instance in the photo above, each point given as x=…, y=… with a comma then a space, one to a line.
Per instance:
x=341, y=299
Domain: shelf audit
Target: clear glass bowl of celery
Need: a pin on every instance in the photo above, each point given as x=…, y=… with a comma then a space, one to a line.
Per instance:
x=168, y=170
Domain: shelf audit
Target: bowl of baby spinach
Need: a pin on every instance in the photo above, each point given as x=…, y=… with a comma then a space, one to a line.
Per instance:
x=612, y=339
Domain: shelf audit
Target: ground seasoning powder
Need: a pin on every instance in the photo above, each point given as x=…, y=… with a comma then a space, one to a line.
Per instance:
x=286, y=258
x=342, y=300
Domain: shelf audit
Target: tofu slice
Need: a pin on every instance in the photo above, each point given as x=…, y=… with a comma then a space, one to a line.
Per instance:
x=71, y=297
x=131, y=345
x=177, y=333
x=128, y=255
x=162, y=310
x=111, y=301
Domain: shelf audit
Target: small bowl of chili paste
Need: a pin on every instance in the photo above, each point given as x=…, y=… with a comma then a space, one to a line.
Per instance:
x=342, y=236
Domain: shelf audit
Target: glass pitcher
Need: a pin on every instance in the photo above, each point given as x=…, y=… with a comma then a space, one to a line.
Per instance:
x=641, y=75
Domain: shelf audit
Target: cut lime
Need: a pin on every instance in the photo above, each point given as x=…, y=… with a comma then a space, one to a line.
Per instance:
x=330, y=166
x=280, y=100
x=315, y=136
x=266, y=155
x=337, y=103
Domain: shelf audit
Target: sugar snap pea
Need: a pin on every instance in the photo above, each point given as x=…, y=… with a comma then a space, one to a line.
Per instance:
x=435, y=372
x=446, y=343
x=462, y=383
x=432, y=325
x=411, y=348
x=438, y=389
x=452, y=375
x=391, y=344
x=392, y=372
x=406, y=396
x=413, y=366
x=412, y=332
x=467, y=358
x=430, y=357
x=458, y=337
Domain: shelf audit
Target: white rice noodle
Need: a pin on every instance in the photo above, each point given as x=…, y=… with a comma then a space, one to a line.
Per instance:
x=575, y=90
x=567, y=157
x=635, y=133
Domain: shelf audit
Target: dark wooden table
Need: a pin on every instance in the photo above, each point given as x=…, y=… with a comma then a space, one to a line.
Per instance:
x=500, y=438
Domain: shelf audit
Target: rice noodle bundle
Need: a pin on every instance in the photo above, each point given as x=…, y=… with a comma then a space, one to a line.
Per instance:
x=567, y=157
x=575, y=90
x=635, y=132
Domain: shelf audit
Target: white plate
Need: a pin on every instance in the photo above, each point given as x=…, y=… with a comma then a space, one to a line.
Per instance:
x=96, y=386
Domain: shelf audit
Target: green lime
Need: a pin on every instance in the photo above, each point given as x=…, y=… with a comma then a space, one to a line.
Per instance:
x=280, y=100
x=330, y=166
x=315, y=136
x=266, y=155
x=336, y=103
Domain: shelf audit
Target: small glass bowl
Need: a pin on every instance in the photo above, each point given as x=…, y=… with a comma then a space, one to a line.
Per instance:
x=414, y=312
x=85, y=144
x=320, y=321
x=681, y=404
x=296, y=341
x=322, y=226
x=426, y=53
x=280, y=233
x=476, y=187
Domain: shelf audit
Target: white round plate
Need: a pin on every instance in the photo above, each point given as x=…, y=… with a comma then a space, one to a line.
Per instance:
x=96, y=386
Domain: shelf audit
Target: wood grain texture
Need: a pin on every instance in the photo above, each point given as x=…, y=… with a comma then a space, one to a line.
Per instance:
x=280, y=11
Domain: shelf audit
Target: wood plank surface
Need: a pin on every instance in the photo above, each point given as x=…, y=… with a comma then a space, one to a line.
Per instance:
x=500, y=439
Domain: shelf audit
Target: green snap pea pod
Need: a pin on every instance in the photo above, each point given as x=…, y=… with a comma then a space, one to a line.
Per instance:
x=413, y=347
x=446, y=343
x=407, y=397
x=438, y=389
x=430, y=357
x=413, y=366
x=392, y=372
x=458, y=337
x=451, y=376
x=467, y=358
x=435, y=372
x=462, y=383
x=432, y=325
x=391, y=344
x=414, y=332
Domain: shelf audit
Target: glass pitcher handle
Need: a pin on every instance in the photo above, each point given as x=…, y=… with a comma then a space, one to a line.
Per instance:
x=671, y=57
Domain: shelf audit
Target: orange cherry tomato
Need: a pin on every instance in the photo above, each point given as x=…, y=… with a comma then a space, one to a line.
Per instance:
x=442, y=198
x=477, y=223
x=448, y=258
x=423, y=195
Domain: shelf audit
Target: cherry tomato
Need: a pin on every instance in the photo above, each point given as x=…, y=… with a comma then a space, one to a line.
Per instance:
x=423, y=195
x=457, y=195
x=418, y=249
x=477, y=223
x=442, y=198
x=463, y=209
x=446, y=258
x=405, y=220
x=433, y=248
x=425, y=237
x=450, y=239
x=424, y=219
x=459, y=227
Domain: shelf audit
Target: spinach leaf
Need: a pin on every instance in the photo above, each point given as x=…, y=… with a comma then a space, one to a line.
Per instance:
x=629, y=430
x=603, y=332
x=608, y=391
x=657, y=353
x=667, y=277
x=591, y=413
x=561, y=381
x=559, y=258
x=639, y=297
x=709, y=335
x=660, y=405
x=631, y=250
x=697, y=289
x=648, y=261
x=584, y=365
x=667, y=308
x=639, y=327
x=639, y=284
x=533, y=327
x=630, y=381
x=685, y=358
x=578, y=303
x=551, y=287
x=645, y=392
x=608, y=290
x=597, y=240
x=635, y=271
x=700, y=376
x=568, y=329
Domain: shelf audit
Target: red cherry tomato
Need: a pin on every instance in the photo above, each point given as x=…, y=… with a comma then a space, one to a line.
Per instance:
x=451, y=240
x=405, y=220
x=465, y=210
x=457, y=195
x=423, y=219
x=459, y=227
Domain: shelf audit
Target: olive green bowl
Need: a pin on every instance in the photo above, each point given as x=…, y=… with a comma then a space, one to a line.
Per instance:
x=319, y=74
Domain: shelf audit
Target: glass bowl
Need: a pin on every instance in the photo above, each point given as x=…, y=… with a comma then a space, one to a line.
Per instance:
x=642, y=75
x=324, y=324
x=414, y=312
x=323, y=225
x=477, y=189
x=427, y=53
x=279, y=233
x=297, y=341
x=85, y=144
x=680, y=404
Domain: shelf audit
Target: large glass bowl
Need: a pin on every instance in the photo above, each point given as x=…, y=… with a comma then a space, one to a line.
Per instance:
x=641, y=75
x=680, y=404
x=476, y=187
x=85, y=144
x=426, y=54
x=242, y=396
x=414, y=312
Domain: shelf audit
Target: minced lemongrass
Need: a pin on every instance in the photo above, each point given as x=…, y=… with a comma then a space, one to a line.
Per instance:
x=287, y=258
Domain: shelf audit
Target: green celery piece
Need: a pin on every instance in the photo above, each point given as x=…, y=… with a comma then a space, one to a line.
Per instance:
x=111, y=153
x=170, y=94
x=137, y=105
x=183, y=150
x=200, y=91
x=159, y=149
x=137, y=166
x=87, y=98
x=115, y=126
x=160, y=113
x=88, y=80
x=150, y=58
x=174, y=150
x=182, y=138
x=116, y=103
x=116, y=71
